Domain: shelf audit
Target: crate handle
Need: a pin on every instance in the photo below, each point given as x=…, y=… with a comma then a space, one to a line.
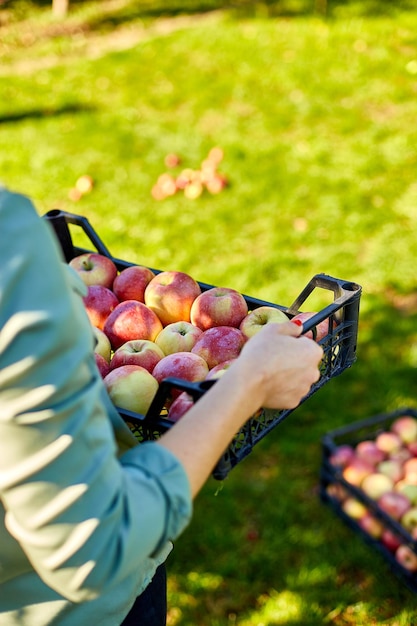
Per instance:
x=60, y=220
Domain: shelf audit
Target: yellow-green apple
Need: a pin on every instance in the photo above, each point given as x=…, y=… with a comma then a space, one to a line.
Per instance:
x=102, y=364
x=129, y=320
x=103, y=345
x=218, y=306
x=371, y=525
x=99, y=302
x=170, y=295
x=219, y=344
x=219, y=370
x=389, y=442
x=405, y=427
x=137, y=352
x=408, y=489
x=180, y=406
x=367, y=449
x=390, y=539
x=353, y=507
x=406, y=557
x=375, y=484
x=391, y=468
x=409, y=519
x=410, y=469
x=95, y=269
x=256, y=319
x=178, y=337
x=341, y=455
x=131, y=283
x=356, y=470
x=318, y=332
x=395, y=504
x=185, y=365
x=131, y=387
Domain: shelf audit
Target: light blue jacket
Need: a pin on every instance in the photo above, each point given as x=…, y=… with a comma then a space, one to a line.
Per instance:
x=86, y=515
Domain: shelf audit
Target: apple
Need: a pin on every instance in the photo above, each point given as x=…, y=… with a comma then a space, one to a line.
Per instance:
x=410, y=469
x=184, y=365
x=129, y=320
x=405, y=427
x=375, y=484
x=170, y=295
x=337, y=491
x=137, y=352
x=95, y=269
x=388, y=441
x=392, y=468
x=406, y=557
x=318, y=332
x=103, y=345
x=131, y=387
x=102, y=364
x=371, y=525
x=180, y=406
x=219, y=344
x=131, y=283
x=218, y=306
x=356, y=470
x=412, y=448
x=99, y=302
x=408, y=489
x=394, y=504
x=354, y=508
x=253, y=322
x=367, y=449
x=178, y=337
x=390, y=540
x=341, y=455
x=219, y=370
x=401, y=455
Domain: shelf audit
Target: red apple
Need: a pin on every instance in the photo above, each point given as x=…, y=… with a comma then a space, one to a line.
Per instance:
x=405, y=427
x=371, y=525
x=141, y=352
x=401, y=455
x=254, y=321
x=219, y=370
x=99, y=302
x=170, y=295
x=218, y=306
x=369, y=451
x=180, y=406
x=219, y=344
x=388, y=441
x=102, y=365
x=356, y=470
x=412, y=448
x=131, y=387
x=375, y=484
x=390, y=540
x=318, y=332
x=178, y=337
x=406, y=557
x=103, y=345
x=410, y=469
x=95, y=269
x=341, y=455
x=131, y=320
x=184, y=365
x=394, y=504
x=131, y=283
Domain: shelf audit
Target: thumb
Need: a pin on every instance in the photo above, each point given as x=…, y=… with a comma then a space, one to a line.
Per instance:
x=292, y=329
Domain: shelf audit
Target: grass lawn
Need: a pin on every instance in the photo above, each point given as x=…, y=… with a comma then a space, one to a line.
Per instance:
x=316, y=114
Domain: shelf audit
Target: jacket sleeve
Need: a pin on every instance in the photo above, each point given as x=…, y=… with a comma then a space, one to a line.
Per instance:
x=85, y=518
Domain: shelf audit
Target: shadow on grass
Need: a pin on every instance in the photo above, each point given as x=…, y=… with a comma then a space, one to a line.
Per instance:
x=39, y=113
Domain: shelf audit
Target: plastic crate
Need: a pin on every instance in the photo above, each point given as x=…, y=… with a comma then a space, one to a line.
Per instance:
x=332, y=484
x=339, y=346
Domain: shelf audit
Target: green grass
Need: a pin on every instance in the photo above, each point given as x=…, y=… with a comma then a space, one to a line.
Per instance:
x=316, y=115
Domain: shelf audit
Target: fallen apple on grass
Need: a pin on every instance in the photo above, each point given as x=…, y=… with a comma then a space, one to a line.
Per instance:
x=94, y=269
x=131, y=387
x=255, y=320
x=218, y=306
x=170, y=296
x=129, y=320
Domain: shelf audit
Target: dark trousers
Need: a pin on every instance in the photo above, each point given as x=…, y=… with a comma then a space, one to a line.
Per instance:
x=150, y=608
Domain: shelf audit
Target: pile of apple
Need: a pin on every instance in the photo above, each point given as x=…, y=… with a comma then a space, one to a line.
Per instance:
x=385, y=469
x=151, y=326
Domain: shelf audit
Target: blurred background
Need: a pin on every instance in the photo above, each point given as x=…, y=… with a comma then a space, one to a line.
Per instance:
x=312, y=107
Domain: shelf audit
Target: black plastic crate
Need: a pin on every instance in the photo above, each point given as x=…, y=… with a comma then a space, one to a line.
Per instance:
x=339, y=346
x=332, y=483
